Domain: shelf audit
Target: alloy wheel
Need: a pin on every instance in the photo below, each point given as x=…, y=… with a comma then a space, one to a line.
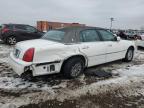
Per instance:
x=130, y=54
x=12, y=40
x=76, y=69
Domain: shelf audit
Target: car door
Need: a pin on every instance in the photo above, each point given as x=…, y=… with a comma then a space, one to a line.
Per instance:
x=114, y=48
x=32, y=33
x=92, y=47
x=20, y=32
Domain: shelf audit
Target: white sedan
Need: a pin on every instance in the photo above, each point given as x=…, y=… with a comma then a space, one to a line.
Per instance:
x=69, y=50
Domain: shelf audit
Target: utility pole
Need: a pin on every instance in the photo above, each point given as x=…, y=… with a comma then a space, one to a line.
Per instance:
x=111, y=21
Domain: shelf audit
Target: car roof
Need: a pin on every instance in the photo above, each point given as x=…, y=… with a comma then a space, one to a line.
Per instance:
x=78, y=28
x=16, y=24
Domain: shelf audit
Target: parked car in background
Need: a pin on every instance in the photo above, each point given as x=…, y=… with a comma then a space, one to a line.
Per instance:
x=128, y=35
x=13, y=33
x=131, y=36
x=140, y=41
x=122, y=35
x=69, y=50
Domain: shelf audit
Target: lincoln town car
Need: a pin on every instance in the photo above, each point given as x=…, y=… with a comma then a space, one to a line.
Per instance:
x=69, y=51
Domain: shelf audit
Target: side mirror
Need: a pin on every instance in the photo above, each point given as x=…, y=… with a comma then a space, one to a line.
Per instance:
x=118, y=38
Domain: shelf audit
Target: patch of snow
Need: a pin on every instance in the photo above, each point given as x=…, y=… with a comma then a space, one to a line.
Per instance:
x=4, y=60
x=137, y=70
x=8, y=106
x=11, y=83
x=139, y=55
x=127, y=78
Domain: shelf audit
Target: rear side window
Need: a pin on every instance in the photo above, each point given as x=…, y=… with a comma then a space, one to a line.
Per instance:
x=2, y=26
x=20, y=27
x=89, y=36
x=30, y=29
x=10, y=26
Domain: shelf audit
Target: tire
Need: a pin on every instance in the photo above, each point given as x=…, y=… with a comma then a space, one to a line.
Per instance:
x=27, y=76
x=129, y=55
x=11, y=40
x=73, y=67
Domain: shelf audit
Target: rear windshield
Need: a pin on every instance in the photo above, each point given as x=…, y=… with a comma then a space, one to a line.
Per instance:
x=54, y=35
x=7, y=26
x=2, y=26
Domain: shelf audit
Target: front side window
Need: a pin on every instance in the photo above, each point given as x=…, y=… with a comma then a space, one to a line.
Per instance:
x=107, y=36
x=54, y=35
x=89, y=36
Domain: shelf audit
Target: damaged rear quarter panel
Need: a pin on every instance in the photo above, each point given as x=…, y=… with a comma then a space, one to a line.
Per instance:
x=52, y=54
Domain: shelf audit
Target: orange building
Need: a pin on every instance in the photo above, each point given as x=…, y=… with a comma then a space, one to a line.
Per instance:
x=46, y=25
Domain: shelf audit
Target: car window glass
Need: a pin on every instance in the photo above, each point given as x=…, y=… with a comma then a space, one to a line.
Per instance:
x=20, y=27
x=30, y=29
x=54, y=35
x=9, y=26
x=107, y=36
x=89, y=36
x=2, y=26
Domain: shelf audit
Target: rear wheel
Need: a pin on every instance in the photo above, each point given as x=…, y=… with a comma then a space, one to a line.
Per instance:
x=129, y=55
x=73, y=67
x=11, y=40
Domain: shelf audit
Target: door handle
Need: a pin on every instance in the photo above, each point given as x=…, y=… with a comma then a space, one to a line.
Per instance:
x=85, y=47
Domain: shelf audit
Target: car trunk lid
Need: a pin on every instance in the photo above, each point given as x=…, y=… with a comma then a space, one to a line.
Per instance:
x=23, y=46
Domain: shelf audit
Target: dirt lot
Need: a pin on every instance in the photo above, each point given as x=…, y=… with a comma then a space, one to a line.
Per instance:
x=124, y=89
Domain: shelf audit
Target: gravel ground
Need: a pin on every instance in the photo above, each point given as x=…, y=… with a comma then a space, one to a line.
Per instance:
x=124, y=89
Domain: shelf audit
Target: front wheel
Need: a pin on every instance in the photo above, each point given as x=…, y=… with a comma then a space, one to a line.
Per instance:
x=129, y=55
x=73, y=67
x=11, y=40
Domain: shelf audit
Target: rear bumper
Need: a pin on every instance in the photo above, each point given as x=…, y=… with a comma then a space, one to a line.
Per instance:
x=20, y=67
x=17, y=65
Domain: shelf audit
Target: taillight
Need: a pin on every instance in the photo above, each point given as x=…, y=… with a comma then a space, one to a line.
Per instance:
x=5, y=30
x=29, y=54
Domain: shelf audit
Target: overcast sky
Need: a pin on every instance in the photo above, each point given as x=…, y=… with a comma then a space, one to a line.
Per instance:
x=127, y=13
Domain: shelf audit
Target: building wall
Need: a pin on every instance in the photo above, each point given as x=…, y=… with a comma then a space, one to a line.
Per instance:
x=46, y=25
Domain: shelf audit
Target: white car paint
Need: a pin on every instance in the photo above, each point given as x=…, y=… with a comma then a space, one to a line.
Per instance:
x=140, y=43
x=92, y=51
x=50, y=53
